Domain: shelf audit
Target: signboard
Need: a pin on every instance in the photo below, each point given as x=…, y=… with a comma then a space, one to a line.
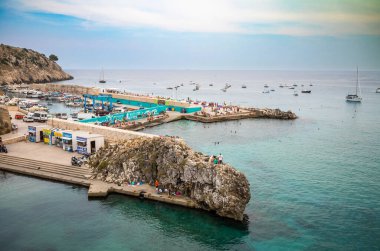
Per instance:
x=67, y=135
x=31, y=129
x=81, y=139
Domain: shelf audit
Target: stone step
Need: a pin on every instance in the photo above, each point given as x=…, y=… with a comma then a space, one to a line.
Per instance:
x=42, y=163
x=55, y=169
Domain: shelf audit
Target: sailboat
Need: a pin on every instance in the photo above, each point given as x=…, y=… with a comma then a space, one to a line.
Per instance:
x=355, y=97
x=102, y=80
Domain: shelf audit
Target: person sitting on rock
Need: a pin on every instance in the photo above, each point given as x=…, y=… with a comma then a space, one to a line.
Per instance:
x=215, y=160
x=211, y=159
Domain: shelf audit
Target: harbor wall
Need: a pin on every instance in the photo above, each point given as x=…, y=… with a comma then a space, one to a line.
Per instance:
x=74, y=89
x=109, y=133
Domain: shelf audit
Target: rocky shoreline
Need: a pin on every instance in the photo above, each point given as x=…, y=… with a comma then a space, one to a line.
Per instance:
x=246, y=113
x=21, y=65
x=179, y=170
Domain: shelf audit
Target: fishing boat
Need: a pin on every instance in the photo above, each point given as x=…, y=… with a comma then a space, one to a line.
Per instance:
x=102, y=80
x=357, y=96
x=211, y=84
x=306, y=91
x=243, y=86
x=378, y=90
x=266, y=86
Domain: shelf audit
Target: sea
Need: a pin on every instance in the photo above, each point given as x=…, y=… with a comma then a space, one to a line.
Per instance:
x=315, y=181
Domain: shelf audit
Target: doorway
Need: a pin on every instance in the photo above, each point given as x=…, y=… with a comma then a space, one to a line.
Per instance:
x=93, y=147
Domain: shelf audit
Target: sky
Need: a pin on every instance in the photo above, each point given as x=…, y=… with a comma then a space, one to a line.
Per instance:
x=198, y=34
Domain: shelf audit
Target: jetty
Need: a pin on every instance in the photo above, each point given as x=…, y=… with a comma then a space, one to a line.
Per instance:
x=82, y=176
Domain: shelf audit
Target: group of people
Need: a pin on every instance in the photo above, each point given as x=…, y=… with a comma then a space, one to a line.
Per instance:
x=216, y=159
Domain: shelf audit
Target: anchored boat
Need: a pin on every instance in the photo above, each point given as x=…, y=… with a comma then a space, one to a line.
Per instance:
x=355, y=97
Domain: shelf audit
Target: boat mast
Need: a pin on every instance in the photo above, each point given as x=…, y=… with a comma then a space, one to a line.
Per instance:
x=357, y=79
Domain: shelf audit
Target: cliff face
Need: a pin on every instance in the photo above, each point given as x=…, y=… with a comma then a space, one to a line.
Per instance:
x=19, y=65
x=219, y=188
x=5, y=122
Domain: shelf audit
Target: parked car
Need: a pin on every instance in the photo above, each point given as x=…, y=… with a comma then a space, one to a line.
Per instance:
x=28, y=117
x=61, y=115
x=40, y=116
x=19, y=116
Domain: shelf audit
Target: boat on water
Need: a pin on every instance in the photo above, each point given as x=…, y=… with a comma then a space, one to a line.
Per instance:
x=170, y=88
x=295, y=93
x=357, y=96
x=292, y=87
x=378, y=90
x=266, y=91
x=272, y=90
x=266, y=86
x=211, y=85
x=306, y=91
x=243, y=86
x=102, y=80
x=281, y=86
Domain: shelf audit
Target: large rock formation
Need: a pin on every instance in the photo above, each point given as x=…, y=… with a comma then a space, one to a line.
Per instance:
x=5, y=122
x=19, y=65
x=219, y=188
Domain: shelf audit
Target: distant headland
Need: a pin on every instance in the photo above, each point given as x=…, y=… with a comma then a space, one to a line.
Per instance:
x=21, y=65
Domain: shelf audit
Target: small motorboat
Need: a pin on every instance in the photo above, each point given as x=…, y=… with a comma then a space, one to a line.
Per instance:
x=306, y=91
x=211, y=85
x=266, y=91
x=266, y=86
x=243, y=86
x=295, y=93
x=170, y=88
x=378, y=90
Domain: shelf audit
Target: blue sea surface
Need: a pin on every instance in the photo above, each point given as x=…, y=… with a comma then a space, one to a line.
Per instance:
x=315, y=181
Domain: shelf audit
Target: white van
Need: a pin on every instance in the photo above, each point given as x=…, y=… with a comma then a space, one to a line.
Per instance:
x=29, y=117
x=40, y=116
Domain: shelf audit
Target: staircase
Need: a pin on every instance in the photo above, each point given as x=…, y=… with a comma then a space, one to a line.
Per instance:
x=46, y=170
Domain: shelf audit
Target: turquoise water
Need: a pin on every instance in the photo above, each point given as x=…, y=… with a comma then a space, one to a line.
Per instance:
x=315, y=181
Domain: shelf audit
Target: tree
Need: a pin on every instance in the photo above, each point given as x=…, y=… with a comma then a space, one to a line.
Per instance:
x=53, y=57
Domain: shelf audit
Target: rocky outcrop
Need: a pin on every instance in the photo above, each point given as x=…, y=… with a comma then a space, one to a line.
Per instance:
x=273, y=113
x=18, y=65
x=218, y=188
x=245, y=113
x=5, y=122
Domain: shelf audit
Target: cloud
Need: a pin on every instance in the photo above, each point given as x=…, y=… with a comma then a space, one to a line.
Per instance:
x=289, y=17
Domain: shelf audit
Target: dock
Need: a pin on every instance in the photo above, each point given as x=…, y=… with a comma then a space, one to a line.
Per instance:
x=82, y=176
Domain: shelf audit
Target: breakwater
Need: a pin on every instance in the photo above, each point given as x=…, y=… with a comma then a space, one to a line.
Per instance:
x=245, y=113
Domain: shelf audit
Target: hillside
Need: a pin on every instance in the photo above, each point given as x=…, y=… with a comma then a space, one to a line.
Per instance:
x=20, y=65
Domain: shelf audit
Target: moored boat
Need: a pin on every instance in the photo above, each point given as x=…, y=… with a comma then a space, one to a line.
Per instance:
x=355, y=97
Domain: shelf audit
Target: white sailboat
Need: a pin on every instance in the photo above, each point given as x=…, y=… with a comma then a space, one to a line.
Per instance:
x=357, y=96
x=102, y=80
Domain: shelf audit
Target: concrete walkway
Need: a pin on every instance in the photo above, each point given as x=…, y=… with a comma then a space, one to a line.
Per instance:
x=81, y=176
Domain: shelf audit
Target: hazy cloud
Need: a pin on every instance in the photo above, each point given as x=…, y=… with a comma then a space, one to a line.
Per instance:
x=290, y=17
